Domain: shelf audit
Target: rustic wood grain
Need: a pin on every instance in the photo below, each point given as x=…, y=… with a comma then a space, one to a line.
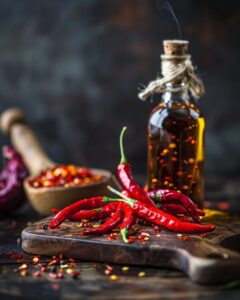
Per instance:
x=201, y=258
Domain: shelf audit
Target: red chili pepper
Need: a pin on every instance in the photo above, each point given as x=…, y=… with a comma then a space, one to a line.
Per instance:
x=95, y=214
x=85, y=214
x=88, y=203
x=126, y=178
x=127, y=222
x=55, y=211
x=169, y=195
x=109, y=225
x=161, y=218
x=174, y=208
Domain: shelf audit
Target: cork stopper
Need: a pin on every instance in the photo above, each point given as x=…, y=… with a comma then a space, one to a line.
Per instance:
x=175, y=47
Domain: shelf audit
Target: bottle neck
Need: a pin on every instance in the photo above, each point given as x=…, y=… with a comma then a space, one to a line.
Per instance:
x=176, y=92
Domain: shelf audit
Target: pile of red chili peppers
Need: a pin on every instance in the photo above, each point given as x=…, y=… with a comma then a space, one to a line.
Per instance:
x=162, y=207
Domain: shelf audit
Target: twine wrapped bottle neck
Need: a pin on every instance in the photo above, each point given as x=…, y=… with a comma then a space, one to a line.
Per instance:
x=175, y=68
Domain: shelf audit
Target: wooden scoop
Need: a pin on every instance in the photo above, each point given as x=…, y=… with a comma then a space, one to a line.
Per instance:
x=13, y=123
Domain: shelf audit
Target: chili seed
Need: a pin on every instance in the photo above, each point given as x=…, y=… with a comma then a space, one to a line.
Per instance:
x=35, y=260
x=172, y=146
x=24, y=273
x=107, y=272
x=60, y=275
x=113, y=277
x=141, y=274
x=22, y=267
x=52, y=275
x=109, y=267
x=36, y=274
x=43, y=269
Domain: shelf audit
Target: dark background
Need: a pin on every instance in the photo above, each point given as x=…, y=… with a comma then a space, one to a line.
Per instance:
x=74, y=67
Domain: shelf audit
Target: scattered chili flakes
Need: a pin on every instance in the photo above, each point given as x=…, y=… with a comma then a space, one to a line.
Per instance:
x=64, y=175
x=56, y=268
x=144, y=236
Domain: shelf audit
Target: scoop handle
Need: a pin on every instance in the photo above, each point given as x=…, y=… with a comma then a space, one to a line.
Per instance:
x=13, y=123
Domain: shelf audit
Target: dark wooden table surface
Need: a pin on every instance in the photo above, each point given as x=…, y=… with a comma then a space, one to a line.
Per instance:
x=92, y=282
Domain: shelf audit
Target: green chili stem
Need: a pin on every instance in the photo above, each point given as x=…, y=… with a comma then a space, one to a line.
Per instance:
x=127, y=200
x=124, y=233
x=107, y=200
x=123, y=157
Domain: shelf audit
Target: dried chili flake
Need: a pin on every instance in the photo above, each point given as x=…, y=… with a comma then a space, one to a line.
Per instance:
x=22, y=267
x=60, y=275
x=112, y=236
x=65, y=266
x=186, y=238
x=64, y=175
x=53, y=262
x=43, y=269
x=35, y=260
x=144, y=236
x=113, y=277
x=75, y=274
x=109, y=267
x=24, y=272
x=203, y=234
x=52, y=275
x=69, y=271
x=36, y=274
x=131, y=239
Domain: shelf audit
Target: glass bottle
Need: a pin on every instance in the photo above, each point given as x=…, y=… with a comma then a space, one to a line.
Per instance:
x=176, y=143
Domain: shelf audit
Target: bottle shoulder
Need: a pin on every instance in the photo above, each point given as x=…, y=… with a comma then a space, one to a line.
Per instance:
x=179, y=112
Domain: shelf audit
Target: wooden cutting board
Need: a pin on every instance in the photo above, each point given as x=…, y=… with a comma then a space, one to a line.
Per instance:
x=205, y=260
